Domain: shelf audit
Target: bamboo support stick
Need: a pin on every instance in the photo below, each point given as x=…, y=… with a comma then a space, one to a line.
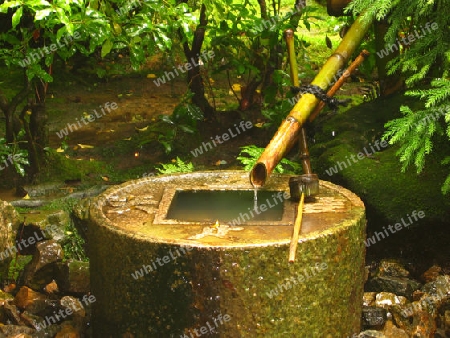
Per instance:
x=297, y=228
x=338, y=84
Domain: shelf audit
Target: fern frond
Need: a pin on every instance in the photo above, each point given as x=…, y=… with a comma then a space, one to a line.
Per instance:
x=179, y=167
x=370, y=9
x=439, y=93
x=414, y=132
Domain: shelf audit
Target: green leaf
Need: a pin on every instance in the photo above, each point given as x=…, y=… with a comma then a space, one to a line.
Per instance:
x=106, y=48
x=7, y=5
x=43, y=13
x=187, y=129
x=35, y=70
x=167, y=146
x=16, y=17
x=166, y=118
x=241, y=69
x=195, y=112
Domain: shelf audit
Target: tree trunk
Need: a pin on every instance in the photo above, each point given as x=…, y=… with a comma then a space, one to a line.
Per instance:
x=274, y=61
x=388, y=83
x=37, y=131
x=194, y=78
x=9, y=108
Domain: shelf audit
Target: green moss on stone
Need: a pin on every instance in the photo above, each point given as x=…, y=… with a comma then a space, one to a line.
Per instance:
x=386, y=191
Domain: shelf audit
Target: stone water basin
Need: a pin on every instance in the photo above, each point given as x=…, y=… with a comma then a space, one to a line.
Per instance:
x=157, y=275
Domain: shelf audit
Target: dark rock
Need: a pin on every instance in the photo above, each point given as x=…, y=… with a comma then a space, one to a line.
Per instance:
x=40, y=271
x=14, y=330
x=398, y=285
x=56, y=223
x=74, y=304
x=432, y=273
x=425, y=326
x=447, y=320
x=81, y=209
x=371, y=334
x=31, y=320
x=48, y=331
x=418, y=318
x=386, y=300
x=440, y=334
x=27, y=238
x=12, y=313
x=68, y=331
x=80, y=214
x=29, y=300
x=391, y=268
x=439, y=287
x=45, y=190
x=369, y=298
x=391, y=331
x=73, y=277
x=50, y=225
x=91, y=192
x=29, y=203
x=373, y=317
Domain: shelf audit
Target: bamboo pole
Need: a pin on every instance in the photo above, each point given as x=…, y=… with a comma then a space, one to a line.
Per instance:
x=287, y=132
x=297, y=228
x=304, y=152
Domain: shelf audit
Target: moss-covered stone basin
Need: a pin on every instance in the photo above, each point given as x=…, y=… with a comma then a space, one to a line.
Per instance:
x=159, y=277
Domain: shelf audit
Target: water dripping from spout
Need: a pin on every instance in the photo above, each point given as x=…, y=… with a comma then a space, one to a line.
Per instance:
x=255, y=198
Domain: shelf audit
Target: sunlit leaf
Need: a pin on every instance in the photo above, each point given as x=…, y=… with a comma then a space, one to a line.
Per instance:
x=16, y=17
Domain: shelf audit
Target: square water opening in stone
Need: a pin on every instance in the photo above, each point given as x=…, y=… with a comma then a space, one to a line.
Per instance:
x=224, y=206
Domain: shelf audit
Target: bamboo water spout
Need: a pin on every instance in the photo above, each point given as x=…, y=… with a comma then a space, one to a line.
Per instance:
x=288, y=131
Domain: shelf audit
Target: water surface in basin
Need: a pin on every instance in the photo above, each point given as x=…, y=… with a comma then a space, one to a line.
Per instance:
x=225, y=205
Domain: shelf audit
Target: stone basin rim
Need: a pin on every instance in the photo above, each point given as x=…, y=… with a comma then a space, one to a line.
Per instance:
x=102, y=220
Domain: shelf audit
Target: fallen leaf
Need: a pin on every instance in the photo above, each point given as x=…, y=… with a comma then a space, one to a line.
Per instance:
x=141, y=129
x=259, y=125
x=236, y=87
x=60, y=150
x=85, y=146
x=26, y=197
x=127, y=139
x=151, y=76
x=105, y=178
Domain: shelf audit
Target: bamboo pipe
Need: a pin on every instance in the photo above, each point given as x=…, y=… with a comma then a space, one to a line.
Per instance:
x=337, y=85
x=287, y=132
x=304, y=152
